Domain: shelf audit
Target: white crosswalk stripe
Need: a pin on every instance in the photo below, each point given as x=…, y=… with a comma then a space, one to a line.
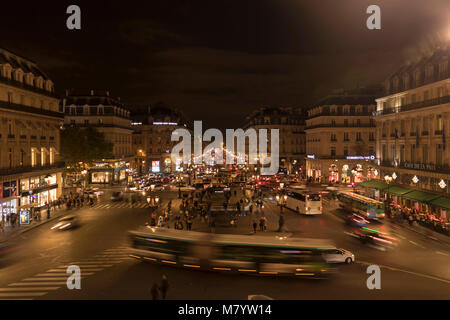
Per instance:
x=56, y=278
x=29, y=289
x=22, y=294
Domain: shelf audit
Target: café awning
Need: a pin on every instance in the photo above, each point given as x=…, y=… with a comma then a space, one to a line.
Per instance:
x=376, y=184
x=398, y=191
x=442, y=202
x=420, y=196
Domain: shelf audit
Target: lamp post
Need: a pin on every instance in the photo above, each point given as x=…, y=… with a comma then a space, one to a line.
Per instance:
x=388, y=180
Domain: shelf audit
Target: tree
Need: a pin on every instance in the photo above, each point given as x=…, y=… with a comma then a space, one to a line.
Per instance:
x=84, y=145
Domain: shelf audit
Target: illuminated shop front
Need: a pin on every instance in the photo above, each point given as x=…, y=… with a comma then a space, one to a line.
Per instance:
x=39, y=190
x=168, y=165
x=333, y=174
x=101, y=176
x=8, y=198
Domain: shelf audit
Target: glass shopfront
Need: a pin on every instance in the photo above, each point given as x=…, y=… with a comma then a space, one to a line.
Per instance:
x=7, y=208
x=101, y=177
x=38, y=190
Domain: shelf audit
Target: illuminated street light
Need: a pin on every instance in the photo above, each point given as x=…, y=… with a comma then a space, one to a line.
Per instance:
x=415, y=179
x=442, y=184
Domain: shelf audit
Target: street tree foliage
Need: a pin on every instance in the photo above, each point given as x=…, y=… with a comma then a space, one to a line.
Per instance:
x=80, y=147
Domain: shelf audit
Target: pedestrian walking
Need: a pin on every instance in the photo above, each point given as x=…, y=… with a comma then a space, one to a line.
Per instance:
x=255, y=225
x=261, y=224
x=155, y=291
x=164, y=286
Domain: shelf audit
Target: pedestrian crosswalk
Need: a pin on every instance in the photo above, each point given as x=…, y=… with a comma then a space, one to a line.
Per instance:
x=118, y=205
x=56, y=278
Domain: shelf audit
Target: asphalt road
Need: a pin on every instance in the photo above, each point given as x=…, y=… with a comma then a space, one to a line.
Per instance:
x=417, y=269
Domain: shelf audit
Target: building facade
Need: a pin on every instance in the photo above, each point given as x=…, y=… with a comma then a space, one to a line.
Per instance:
x=30, y=121
x=152, y=145
x=109, y=116
x=291, y=124
x=340, y=139
x=413, y=124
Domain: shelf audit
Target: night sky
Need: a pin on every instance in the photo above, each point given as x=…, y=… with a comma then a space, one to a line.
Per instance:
x=218, y=60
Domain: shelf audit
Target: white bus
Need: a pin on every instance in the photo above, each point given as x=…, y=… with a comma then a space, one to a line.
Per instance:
x=304, y=202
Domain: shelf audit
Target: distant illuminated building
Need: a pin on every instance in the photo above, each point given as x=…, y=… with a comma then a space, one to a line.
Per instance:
x=152, y=145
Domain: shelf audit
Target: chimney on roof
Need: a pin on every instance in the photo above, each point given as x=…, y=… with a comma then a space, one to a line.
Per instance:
x=107, y=93
x=92, y=92
x=67, y=92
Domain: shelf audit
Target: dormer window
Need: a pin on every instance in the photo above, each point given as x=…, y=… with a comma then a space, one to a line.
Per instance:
x=406, y=81
x=395, y=84
x=417, y=78
x=429, y=72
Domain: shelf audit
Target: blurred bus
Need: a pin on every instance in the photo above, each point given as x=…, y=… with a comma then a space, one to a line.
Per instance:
x=368, y=207
x=304, y=202
x=259, y=255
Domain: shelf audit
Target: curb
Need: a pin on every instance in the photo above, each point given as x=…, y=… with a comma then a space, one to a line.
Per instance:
x=20, y=232
x=422, y=233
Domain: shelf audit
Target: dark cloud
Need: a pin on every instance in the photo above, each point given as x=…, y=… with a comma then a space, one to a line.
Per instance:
x=218, y=60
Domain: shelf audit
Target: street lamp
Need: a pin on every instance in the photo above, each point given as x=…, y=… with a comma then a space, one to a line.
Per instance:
x=388, y=180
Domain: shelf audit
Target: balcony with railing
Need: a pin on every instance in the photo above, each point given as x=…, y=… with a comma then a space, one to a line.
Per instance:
x=414, y=106
x=341, y=125
x=23, y=169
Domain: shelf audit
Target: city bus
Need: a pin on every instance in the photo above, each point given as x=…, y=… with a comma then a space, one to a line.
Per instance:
x=239, y=254
x=368, y=207
x=304, y=202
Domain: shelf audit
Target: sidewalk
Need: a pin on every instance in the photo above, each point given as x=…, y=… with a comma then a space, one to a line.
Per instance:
x=429, y=233
x=12, y=232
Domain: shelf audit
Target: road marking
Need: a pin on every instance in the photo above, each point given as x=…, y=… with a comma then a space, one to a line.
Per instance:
x=22, y=294
x=416, y=244
x=28, y=289
x=60, y=274
x=83, y=268
x=26, y=284
x=405, y=271
x=442, y=253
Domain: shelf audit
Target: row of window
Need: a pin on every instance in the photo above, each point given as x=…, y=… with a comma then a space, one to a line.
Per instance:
x=417, y=153
x=36, y=157
x=30, y=101
x=419, y=77
x=29, y=79
x=413, y=124
x=412, y=98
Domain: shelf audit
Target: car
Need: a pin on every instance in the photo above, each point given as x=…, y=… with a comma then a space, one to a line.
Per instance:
x=356, y=220
x=379, y=240
x=117, y=196
x=339, y=256
x=66, y=223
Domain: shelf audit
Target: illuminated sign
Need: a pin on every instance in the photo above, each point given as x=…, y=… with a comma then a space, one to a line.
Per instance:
x=165, y=123
x=155, y=166
x=360, y=158
x=311, y=156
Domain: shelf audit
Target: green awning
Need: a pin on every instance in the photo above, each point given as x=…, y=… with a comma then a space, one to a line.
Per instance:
x=398, y=191
x=420, y=196
x=376, y=184
x=442, y=202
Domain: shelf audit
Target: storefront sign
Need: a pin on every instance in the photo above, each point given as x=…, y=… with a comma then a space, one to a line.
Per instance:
x=420, y=166
x=360, y=158
x=311, y=156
